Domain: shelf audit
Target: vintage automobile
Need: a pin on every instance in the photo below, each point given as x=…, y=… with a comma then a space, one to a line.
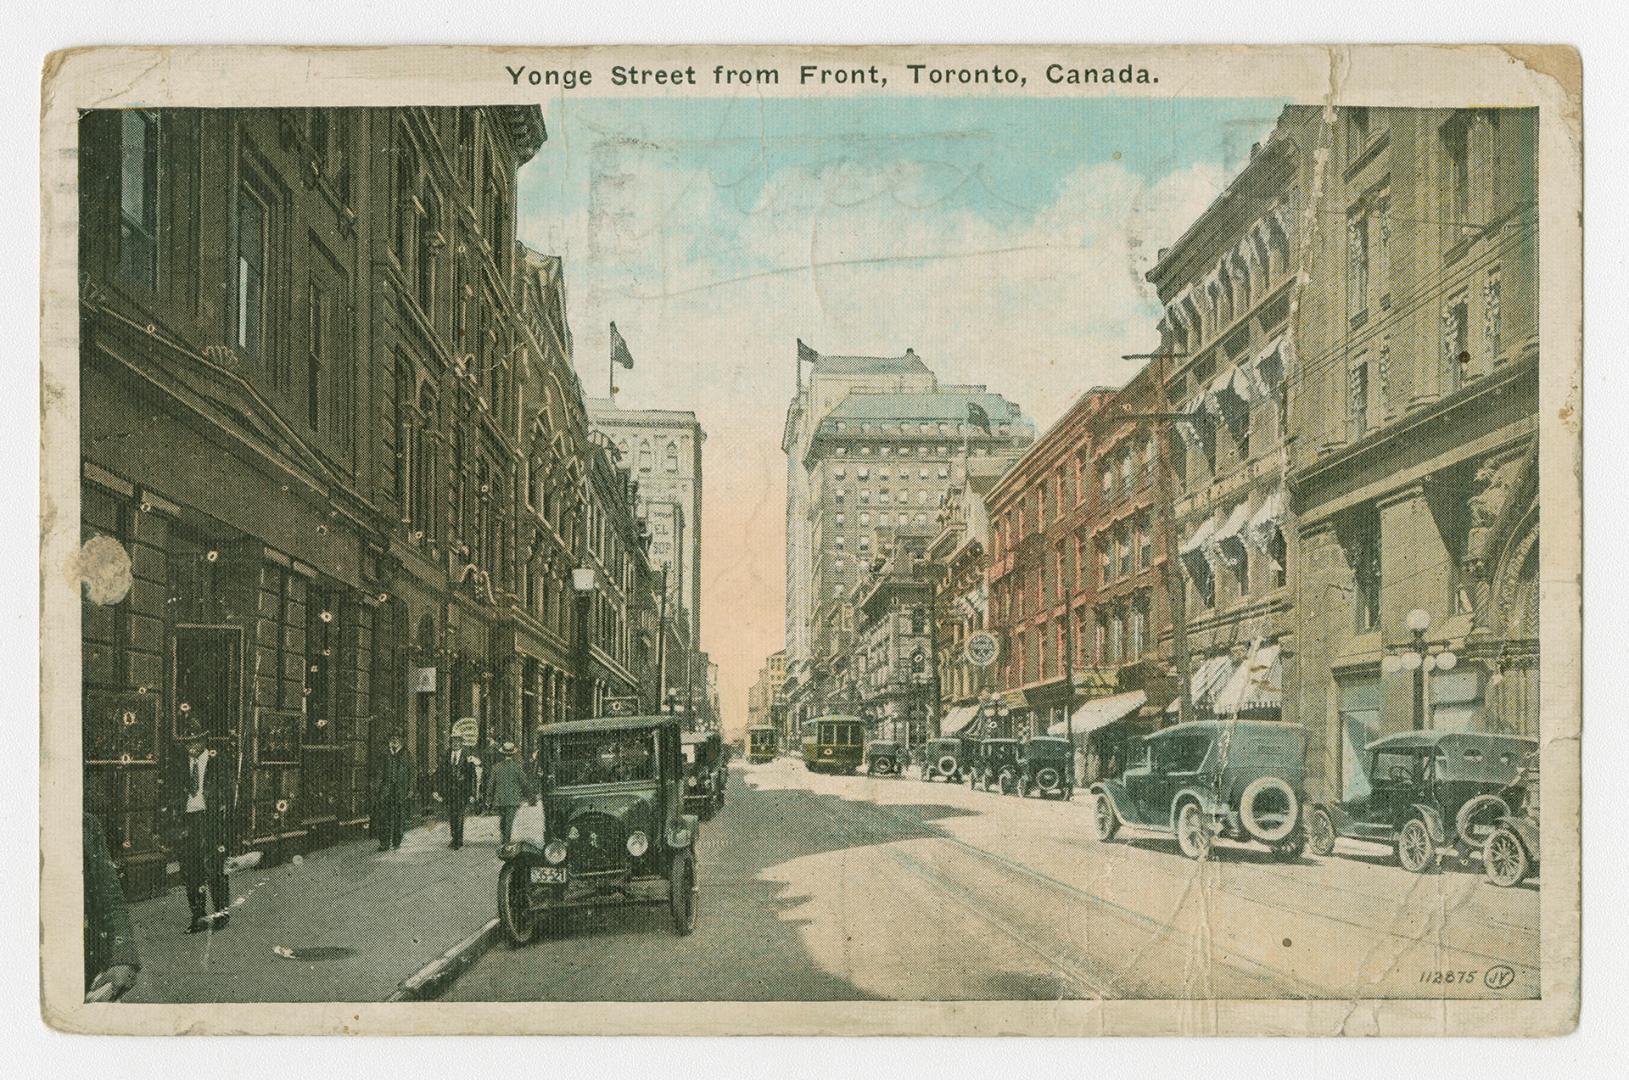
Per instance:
x=706, y=773
x=1511, y=852
x=833, y=743
x=944, y=757
x=615, y=830
x=1046, y=766
x=763, y=742
x=884, y=758
x=1235, y=778
x=1421, y=791
x=995, y=766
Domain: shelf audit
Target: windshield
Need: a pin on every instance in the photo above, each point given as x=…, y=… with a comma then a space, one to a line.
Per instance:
x=603, y=758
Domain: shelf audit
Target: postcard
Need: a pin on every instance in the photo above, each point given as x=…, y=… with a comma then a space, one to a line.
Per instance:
x=1026, y=540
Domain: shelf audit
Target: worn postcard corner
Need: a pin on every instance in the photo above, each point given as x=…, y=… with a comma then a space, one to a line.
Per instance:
x=1021, y=540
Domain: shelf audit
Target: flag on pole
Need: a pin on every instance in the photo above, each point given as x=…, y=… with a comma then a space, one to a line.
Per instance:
x=978, y=417
x=806, y=355
x=619, y=349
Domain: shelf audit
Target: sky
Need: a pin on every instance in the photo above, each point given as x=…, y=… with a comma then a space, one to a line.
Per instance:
x=1004, y=239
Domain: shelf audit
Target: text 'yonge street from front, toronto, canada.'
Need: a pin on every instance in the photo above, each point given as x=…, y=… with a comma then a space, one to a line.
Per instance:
x=820, y=75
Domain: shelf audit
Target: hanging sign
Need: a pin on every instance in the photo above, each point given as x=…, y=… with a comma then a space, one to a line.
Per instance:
x=982, y=648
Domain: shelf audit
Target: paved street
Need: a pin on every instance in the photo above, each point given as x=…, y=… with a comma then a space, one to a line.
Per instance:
x=845, y=887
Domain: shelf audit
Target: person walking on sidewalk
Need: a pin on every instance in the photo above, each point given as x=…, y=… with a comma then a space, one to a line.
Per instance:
x=392, y=796
x=111, y=960
x=455, y=788
x=197, y=797
x=510, y=788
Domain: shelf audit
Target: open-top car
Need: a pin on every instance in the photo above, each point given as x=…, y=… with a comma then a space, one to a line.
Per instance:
x=884, y=758
x=763, y=742
x=1235, y=778
x=943, y=758
x=996, y=766
x=706, y=772
x=615, y=830
x=1046, y=766
x=1421, y=791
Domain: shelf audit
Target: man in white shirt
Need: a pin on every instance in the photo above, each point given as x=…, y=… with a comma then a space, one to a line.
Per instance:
x=198, y=798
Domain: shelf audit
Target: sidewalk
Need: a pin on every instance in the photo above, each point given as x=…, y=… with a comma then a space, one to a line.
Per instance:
x=357, y=920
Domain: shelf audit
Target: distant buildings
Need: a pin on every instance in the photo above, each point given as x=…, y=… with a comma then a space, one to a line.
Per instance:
x=879, y=442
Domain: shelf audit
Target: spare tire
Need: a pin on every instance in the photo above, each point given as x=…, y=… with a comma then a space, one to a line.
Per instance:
x=1258, y=787
x=1483, y=809
x=946, y=764
x=1047, y=778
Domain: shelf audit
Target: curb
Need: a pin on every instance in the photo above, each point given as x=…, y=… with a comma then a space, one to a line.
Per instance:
x=433, y=979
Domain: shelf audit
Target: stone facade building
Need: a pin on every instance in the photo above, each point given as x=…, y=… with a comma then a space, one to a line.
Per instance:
x=1415, y=418
x=1231, y=286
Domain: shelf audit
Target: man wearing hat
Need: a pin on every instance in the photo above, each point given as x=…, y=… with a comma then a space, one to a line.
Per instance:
x=510, y=788
x=392, y=796
x=197, y=795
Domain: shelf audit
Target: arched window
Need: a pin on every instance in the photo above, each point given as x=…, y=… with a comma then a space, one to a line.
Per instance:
x=429, y=241
x=672, y=460
x=647, y=460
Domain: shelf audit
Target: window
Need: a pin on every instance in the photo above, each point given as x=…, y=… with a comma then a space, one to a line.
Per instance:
x=1491, y=326
x=671, y=461
x=944, y=472
x=1138, y=643
x=1145, y=544
x=1357, y=133
x=1456, y=151
x=138, y=197
x=1122, y=543
x=429, y=241
x=317, y=305
x=839, y=519
x=840, y=472
x=1363, y=551
x=1357, y=263
x=1357, y=400
x=865, y=519
x=251, y=277
x=865, y=472
x=1456, y=356
x=865, y=496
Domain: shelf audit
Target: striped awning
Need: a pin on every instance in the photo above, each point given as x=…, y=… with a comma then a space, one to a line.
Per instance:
x=959, y=719
x=1258, y=683
x=1101, y=712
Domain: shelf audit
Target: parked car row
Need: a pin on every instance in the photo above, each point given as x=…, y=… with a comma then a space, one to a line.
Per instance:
x=1422, y=793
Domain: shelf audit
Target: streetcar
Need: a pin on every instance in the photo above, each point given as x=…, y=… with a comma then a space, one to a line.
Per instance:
x=762, y=743
x=834, y=743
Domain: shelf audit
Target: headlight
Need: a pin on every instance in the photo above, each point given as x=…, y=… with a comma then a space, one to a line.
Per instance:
x=691, y=782
x=573, y=834
x=555, y=851
x=638, y=843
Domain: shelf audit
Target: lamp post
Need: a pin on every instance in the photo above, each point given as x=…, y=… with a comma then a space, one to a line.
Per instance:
x=582, y=584
x=1418, y=660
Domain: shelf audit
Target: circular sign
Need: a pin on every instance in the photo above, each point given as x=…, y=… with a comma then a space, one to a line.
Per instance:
x=982, y=648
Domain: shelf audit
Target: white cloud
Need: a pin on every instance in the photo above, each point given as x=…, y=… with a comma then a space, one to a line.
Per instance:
x=853, y=259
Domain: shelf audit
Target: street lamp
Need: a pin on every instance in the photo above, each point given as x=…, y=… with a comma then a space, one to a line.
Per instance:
x=582, y=583
x=1418, y=660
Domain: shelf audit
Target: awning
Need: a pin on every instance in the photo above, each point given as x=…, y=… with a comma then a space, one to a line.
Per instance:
x=1205, y=680
x=1230, y=533
x=1271, y=363
x=1255, y=684
x=1265, y=522
x=959, y=719
x=1101, y=712
x=1195, y=551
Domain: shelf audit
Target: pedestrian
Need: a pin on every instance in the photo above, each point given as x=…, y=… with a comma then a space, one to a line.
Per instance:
x=111, y=959
x=510, y=788
x=197, y=796
x=392, y=795
x=455, y=788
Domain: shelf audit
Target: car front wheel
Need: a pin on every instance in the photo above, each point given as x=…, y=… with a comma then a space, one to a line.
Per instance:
x=520, y=923
x=682, y=896
x=1103, y=819
x=1193, y=832
x=1414, y=847
x=1504, y=859
x=1320, y=831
